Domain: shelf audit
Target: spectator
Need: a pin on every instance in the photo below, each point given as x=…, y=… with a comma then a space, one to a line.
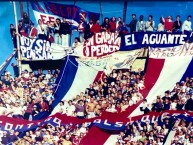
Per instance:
x=187, y=25
x=81, y=28
x=20, y=26
x=150, y=24
x=168, y=24
x=57, y=32
x=105, y=25
x=76, y=42
x=65, y=31
x=112, y=24
x=33, y=31
x=145, y=107
x=49, y=31
x=5, y=138
x=140, y=26
x=122, y=29
x=117, y=23
x=70, y=111
x=26, y=22
x=13, y=35
x=160, y=27
x=41, y=30
x=96, y=28
x=177, y=24
x=12, y=136
x=80, y=109
x=87, y=32
x=133, y=24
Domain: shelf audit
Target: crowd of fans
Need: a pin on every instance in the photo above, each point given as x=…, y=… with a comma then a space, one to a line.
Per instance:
x=32, y=93
x=145, y=133
x=26, y=95
x=46, y=135
x=179, y=98
x=113, y=93
x=59, y=31
x=183, y=133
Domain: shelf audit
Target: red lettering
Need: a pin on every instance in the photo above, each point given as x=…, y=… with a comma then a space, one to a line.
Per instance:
x=62, y=11
x=43, y=19
x=69, y=11
x=75, y=12
x=54, y=9
x=51, y=19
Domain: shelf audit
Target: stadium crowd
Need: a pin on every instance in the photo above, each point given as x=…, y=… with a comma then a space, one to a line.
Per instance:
x=145, y=133
x=32, y=93
x=179, y=98
x=46, y=135
x=59, y=32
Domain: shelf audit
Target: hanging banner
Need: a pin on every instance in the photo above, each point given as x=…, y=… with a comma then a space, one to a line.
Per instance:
x=48, y=11
x=153, y=39
x=38, y=49
x=107, y=121
x=116, y=60
x=177, y=51
x=100, y=44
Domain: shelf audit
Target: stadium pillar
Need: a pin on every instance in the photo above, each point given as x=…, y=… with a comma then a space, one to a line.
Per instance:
x=125, y=11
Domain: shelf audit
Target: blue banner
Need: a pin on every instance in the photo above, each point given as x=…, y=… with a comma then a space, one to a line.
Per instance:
x=70, y=12
x=152, y=39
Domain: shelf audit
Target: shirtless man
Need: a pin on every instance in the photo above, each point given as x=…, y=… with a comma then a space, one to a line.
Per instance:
x=90, y=108
x=98, y=108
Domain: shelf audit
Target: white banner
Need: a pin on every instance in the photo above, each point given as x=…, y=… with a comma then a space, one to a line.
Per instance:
x=38, y=49
x=176, y=51
x=100, y=44
x=116, y=60
x=51, y=18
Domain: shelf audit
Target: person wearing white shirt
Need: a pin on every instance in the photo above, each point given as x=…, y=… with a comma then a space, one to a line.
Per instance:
x=150, y=24
x=117, y=23
x=110, y=108
x=140, y=27
x=160, y=27
x=70, y=109
x=187, y=24
x=17, y=111
x=41, y=31
x=76, y=42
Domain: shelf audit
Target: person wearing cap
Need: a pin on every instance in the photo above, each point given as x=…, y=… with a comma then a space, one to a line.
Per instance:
x=187, y=25
x=132, y=24
x=33, y=31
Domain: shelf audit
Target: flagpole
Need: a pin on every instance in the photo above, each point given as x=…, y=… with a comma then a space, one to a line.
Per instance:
x=18, y=45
